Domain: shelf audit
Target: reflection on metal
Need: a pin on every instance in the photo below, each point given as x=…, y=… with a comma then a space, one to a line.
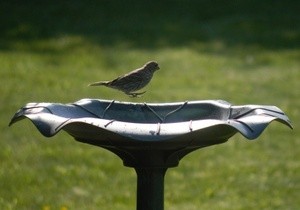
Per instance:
x=126, y=128
x=168, y=120
x=151, y=137
x=162, y=119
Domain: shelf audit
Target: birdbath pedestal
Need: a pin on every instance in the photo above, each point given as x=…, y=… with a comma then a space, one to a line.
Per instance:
x=151, y=137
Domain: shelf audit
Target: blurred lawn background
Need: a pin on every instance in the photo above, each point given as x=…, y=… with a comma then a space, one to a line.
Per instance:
x=244, y=52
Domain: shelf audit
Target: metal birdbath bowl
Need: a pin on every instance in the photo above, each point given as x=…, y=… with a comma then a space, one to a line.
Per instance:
x=151, y=137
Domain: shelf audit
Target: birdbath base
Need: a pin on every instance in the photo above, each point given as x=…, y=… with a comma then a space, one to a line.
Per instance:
x=150, y=188
x=150, y=166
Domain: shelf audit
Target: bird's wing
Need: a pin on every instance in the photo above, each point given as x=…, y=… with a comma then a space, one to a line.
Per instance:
x=129, y=82
x=128, y=78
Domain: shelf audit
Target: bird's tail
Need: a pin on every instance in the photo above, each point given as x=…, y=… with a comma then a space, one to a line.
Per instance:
x=105, y=83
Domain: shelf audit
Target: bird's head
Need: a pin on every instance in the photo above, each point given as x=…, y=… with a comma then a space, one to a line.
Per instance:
x=153, y=65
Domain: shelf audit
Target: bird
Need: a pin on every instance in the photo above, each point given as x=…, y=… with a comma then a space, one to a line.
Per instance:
x=132, y=81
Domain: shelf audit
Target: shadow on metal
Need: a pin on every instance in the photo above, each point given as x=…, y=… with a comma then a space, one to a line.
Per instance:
x=151, y=137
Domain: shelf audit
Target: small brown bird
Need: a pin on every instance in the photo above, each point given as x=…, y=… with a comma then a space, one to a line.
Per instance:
x=133, y=81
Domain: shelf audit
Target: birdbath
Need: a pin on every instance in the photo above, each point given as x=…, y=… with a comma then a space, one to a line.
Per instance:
x=151, y=137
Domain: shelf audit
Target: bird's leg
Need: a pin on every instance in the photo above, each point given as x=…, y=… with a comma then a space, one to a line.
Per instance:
x=136, y=94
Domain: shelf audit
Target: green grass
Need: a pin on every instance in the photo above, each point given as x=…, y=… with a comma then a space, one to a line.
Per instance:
x=244, y=53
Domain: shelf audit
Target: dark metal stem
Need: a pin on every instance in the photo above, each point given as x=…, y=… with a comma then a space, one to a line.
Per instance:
x=150, y=188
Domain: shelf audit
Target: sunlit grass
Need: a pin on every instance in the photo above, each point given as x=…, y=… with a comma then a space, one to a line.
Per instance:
x=61, y=172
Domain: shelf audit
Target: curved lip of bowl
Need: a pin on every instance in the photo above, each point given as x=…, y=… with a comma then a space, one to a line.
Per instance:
x=99, y=120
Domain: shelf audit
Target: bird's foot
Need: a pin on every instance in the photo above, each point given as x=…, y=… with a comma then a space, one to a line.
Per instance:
x=136, y=94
